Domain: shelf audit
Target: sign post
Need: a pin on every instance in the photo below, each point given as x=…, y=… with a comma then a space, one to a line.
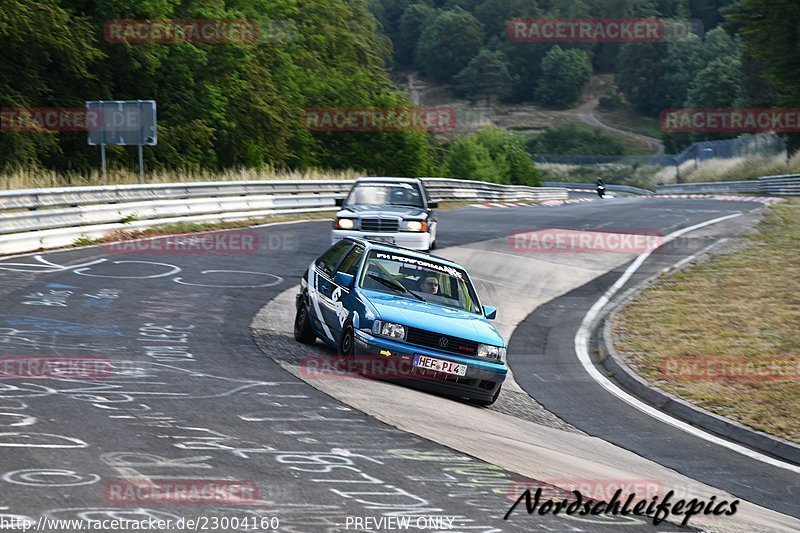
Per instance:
x=122, y=123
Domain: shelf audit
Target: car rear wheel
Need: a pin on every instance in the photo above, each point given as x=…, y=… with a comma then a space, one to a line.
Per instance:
x=347, y=347
x=487, y=403
x=302, y=326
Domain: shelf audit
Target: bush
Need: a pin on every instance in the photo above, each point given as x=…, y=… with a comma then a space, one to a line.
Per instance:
x=494, y=155
x=579, y=139
x=467, y=159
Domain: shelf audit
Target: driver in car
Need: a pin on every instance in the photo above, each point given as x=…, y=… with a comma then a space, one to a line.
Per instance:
x=430, y=284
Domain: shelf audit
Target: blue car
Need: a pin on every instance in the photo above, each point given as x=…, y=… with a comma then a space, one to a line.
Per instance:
x=404, y=315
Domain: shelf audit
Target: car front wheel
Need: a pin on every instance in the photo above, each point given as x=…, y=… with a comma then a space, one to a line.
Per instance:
x=302, y=326
x=347, y=347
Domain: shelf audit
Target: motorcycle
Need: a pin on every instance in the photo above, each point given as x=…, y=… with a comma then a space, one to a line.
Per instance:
x=601, y=190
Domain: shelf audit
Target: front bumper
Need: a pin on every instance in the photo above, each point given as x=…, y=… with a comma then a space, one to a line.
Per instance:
x=481, y=381
x=405, y=239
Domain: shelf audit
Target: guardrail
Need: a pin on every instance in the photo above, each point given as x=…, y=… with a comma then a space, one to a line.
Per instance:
x=50, y=218
x=714, y=187
x=591, y=187
x=786, y=185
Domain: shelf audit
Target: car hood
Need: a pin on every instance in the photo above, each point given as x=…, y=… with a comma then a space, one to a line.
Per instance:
x=377, y=210
x=435, y=318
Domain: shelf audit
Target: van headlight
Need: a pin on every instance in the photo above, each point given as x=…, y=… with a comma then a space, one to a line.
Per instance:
x=390, y=330
x=344, y=223
x=415, y=225
x=492, y=352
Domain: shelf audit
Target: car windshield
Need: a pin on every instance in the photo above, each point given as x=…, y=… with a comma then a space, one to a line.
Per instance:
x=385, y=194
x=411, y=277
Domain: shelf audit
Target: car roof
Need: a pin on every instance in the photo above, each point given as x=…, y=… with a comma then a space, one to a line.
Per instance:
x=372, y=245
x=388, y=180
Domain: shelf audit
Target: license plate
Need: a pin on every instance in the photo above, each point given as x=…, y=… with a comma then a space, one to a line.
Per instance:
x=439, y=365
x=390, y=240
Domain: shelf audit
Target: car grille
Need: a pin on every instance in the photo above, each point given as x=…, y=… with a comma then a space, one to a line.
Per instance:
x=430, y=339
x=380, y=224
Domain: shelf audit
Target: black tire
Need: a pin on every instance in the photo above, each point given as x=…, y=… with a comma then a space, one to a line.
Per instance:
x=432, y=246
x=347, y=343
x=302, y=326
x=487, y=403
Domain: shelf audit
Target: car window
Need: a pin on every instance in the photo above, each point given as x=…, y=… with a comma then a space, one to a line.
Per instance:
x=435, y=282
x=328, y=261
x=376, y=193
x=350, y=263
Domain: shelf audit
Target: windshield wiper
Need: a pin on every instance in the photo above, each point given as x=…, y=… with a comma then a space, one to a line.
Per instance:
x=396, y=286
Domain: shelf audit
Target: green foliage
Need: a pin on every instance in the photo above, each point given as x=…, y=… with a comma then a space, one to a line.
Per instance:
x=641, y=74
x=447, y=44
x=578, y=139
x=494, y=14
x=221, y=105
x=467, y=159
x=485, y=76
x=413, y=22
x=492, y=154
x=717, y=85
x=769, y=32
x=564, y=75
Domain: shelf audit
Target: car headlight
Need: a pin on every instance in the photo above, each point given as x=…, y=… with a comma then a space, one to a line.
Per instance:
x=389, y=330
x=491, y=352
x=416, y=225
x=344, y=223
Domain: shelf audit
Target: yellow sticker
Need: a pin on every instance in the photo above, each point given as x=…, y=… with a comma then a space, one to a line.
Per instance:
x=386, y=352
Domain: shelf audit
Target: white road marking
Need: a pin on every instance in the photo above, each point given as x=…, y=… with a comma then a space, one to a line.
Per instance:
x=582, y=350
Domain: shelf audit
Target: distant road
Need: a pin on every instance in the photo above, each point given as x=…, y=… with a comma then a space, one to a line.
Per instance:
x=586, y=113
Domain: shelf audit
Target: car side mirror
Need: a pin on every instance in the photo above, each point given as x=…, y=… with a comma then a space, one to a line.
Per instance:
x=339, y=202
x=489, y=312
x=343, y=279
x=433, y=205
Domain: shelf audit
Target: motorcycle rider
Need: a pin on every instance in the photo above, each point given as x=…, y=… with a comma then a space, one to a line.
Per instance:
x=601, y=187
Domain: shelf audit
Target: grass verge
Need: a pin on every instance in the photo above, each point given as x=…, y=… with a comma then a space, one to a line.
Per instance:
x=742, y=168
x=40, y=178
x=743, y=305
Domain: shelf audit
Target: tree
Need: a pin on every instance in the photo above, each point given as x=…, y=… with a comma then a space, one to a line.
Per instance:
x=447, y=44
x=495, y=14
x=564, y=74
x=640, y=76
x=413, y=22
x=485, y=76
x=717, y=85
x=769, y=32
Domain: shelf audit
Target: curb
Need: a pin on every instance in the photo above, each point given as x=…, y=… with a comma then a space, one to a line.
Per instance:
x=679, y=408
